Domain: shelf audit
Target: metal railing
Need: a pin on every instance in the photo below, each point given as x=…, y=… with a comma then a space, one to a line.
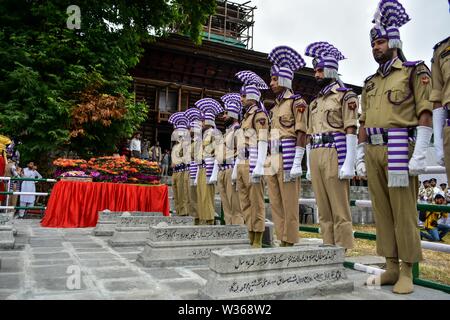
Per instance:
x=19, y=193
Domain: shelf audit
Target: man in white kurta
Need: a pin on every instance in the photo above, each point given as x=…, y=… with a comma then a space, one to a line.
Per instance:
x=28, y=186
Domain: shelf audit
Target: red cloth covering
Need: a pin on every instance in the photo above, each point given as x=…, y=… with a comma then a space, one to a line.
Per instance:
x=2, y=174
x=75, y=204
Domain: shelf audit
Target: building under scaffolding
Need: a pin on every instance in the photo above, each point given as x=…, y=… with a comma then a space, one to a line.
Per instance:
x=174, y=72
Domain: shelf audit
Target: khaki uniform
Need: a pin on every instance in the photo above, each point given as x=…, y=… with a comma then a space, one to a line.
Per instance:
x=334, y=112
x=287, y=116
x=395, y=208
x=228, y=192
x=178, y=182
x=440, y=72
x=205, y=191
x=251, y=195
x=192, y=190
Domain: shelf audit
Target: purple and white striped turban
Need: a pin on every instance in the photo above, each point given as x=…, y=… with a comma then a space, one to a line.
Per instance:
x=195, y=118
x=233, y=104
x=178, y=120
x=252, y=84
x=390, y=16
x=326, y=57
x=210, y=108
x=285, y=62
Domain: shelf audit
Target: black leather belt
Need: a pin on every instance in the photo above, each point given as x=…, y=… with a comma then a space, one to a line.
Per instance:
x=375, y=139
x=322, y=139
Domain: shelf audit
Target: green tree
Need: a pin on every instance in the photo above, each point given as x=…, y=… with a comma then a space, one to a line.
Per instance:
x=70, y=89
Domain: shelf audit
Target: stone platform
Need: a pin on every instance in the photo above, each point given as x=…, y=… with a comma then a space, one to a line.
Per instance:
x=134, y=230
x=276, y=273
x=107, y=220
x=190, y=245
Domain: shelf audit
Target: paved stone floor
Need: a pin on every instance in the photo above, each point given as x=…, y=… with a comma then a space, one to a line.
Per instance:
x=44, y=259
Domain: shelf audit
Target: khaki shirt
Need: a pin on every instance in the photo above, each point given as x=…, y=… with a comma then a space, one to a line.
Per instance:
x=288, y=115
x=333, y=112
x=440, y=72
x=254, y=127
x=177, y=154
x=380, y=112
x=209, y=143
x=227, y=148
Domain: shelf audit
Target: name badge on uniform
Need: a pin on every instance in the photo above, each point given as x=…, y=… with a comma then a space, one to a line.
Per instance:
x=376, y=139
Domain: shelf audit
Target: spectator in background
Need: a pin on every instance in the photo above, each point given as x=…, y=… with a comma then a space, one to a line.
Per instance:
x=444, y=188
x=135, y=146
x=155, y=152
x=144, y=150
x=13, y=171
x=435, y=231
x=426, y=193
x=165, y=164
x=433, y=183
x=28, y=186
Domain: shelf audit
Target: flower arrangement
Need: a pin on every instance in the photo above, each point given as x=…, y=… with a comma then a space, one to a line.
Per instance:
x=110, y=169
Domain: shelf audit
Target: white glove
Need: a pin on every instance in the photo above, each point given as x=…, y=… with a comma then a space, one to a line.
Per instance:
x=308, y=172
x=262, y=154
x=215, y=173
x=439, y=116
x=360, y=163
x=348, y=168
x=296, y=170
x=235, y=170
x=196, y=176
x=417, y=163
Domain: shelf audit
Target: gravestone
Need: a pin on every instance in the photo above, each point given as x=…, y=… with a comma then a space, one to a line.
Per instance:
x=6, y=232
x=107, y=220
x=190, y=245
x=277, y=273
x=134, y=230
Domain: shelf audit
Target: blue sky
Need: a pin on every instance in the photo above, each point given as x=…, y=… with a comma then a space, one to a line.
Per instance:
x=346, y=24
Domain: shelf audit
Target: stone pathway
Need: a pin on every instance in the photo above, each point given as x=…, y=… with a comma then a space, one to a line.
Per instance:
x=43, y=262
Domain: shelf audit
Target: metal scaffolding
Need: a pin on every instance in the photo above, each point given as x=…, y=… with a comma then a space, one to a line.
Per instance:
x=231, y=24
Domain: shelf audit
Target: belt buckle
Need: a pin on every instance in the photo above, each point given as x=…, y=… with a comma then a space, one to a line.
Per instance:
x=317, y=140
x=377, y=139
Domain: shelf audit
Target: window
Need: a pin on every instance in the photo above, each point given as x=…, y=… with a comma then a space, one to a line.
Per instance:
x=168, y=100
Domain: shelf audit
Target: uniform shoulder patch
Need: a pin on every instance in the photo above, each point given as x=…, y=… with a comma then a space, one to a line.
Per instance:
x=350, y=94
x=300, y=104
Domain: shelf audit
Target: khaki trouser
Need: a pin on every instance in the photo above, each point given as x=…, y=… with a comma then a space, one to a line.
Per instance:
x=395, y=209
x=184, y=197
x=332, y=196
x=193, y=202
x=447, y=151
x=283, y=198
x=251, y=197
x=205, y=198
x=230, y=198
x=177, y=187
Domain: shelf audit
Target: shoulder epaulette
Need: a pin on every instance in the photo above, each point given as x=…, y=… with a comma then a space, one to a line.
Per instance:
x=439, y=43
x=412, y=63
x=296, y=96
x=369, y=77
x=343, y=89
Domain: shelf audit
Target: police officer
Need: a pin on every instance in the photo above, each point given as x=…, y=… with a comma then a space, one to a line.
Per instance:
x=440, y=96
x=252, y=152
x=225, y=157
x=195, y=118
x=394, y=101
x=332, y=121
x=288, y=140
x=180, y=135
x=205, y=186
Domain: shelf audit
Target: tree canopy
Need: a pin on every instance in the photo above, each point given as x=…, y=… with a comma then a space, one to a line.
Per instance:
x=64, y=88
